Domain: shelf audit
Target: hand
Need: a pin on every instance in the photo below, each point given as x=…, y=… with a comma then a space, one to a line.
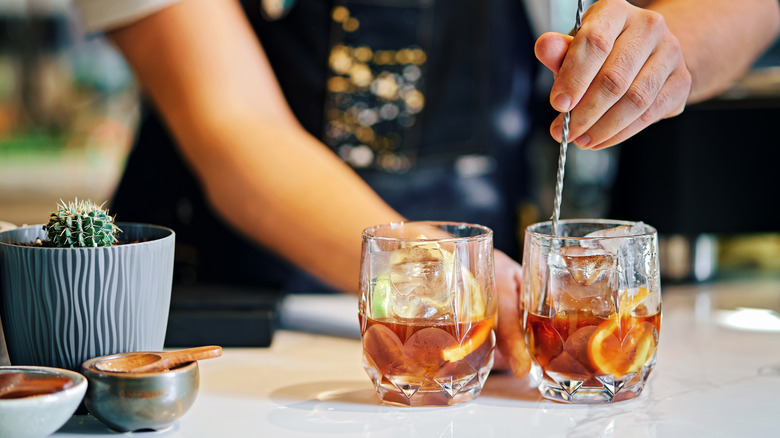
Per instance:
x=511, y=340
x=623, y=71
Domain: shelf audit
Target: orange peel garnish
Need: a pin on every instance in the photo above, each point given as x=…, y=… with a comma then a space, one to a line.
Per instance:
x=458, y=352
x=629, y=304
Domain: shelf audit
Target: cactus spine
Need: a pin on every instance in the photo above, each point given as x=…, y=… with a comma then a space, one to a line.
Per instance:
x=81, y=224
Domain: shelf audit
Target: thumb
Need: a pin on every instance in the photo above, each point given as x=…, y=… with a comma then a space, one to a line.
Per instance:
x=550, y=49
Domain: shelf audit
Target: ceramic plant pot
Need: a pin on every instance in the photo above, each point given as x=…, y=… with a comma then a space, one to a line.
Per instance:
x=62, y=306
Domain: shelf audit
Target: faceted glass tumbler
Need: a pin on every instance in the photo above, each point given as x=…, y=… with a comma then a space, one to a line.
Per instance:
x=427, y=311
x=592, y=308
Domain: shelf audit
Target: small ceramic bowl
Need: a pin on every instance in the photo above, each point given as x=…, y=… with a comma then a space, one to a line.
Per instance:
x=129, y=402
x=38, y=416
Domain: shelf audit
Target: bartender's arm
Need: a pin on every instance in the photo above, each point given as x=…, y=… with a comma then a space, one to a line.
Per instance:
x=630, y=66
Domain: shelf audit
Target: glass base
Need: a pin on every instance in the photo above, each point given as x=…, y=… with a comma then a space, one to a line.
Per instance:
x=594, y=390
x=392, y=396
x=438, y=391
x=588, y=394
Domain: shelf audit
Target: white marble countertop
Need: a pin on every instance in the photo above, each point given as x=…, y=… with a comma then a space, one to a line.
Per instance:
x=718, y=375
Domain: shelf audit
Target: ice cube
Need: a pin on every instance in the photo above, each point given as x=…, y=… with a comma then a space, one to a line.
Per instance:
x=411, y=268
x=420, y=280
x=583, y=279
x=619, y=231
x=587, y=266
x=614, y=245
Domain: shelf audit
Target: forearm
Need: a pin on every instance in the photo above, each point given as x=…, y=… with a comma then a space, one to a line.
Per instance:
x=289, y=193
x=720, y=39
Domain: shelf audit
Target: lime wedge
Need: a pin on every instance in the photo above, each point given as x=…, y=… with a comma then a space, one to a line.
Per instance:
x=380, y=300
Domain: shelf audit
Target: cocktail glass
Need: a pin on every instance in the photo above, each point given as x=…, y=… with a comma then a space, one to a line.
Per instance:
x=427, y=311
x=592, y=308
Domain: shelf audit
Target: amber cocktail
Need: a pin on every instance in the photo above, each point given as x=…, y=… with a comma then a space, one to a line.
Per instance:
x=592, y=300
x=427, y=311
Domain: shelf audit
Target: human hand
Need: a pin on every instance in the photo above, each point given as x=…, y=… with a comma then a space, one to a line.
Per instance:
x=511, y=340
x=623, y=71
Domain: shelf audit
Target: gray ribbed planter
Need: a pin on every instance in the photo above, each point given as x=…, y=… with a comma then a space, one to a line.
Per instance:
x=62, y=306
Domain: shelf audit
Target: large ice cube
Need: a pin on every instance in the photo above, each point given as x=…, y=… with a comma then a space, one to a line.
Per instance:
x=587, y=266
x=583, y=279
x=421, y=282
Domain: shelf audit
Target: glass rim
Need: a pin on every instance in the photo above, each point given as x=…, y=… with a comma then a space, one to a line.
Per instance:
x=648, y=230
x=371, y=232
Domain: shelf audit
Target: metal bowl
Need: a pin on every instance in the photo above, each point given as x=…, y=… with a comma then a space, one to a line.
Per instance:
x=129, y=402
x=40, y=415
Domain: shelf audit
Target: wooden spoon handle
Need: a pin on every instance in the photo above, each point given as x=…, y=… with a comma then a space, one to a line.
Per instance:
x=171, y=359
x=193, y=354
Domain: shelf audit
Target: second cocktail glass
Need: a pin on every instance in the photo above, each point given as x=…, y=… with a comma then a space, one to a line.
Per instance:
x=427, y=311
x=592, y=304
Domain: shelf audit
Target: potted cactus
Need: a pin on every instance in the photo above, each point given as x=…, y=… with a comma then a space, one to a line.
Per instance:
x=80, y=224
x=83, y=286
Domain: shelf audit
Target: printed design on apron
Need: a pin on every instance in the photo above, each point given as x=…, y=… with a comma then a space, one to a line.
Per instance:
x=375, y=87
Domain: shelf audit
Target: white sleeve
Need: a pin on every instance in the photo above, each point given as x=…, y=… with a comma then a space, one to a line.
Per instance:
x=101, y=15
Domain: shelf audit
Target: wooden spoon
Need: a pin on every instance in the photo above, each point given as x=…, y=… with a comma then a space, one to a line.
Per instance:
x=18, y=385
x=155, y=362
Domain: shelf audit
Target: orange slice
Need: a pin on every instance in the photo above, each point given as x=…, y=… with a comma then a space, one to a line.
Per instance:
x=609, y=355
x=458, y=352
x=604, y=347
x=638, y=346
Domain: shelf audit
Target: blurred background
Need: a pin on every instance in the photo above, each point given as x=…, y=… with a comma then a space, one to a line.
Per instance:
x=706, y=179
x=68, y=108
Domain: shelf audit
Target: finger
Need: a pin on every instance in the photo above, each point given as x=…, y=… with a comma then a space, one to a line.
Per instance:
x=511, y=340
x=618, y=76
x=668, y=103
x=637, y=98
x=556, y=129
x=551, y=48
x=587, y=53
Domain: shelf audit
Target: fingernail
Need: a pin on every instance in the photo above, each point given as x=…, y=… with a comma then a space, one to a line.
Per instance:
x=582, y=141
x=561, y=102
